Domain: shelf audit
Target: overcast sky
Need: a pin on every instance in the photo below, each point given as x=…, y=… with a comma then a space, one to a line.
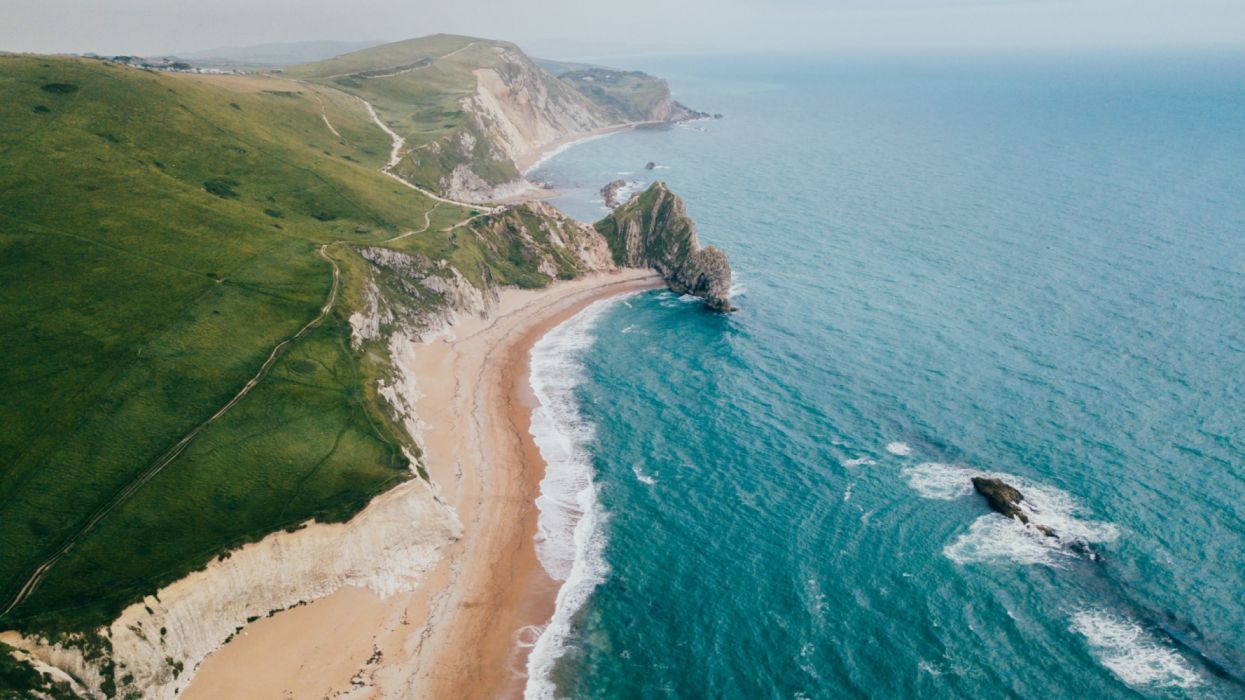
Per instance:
x=574, y=26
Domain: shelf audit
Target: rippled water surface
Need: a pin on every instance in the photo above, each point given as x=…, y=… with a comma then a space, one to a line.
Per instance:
x=1031, y=268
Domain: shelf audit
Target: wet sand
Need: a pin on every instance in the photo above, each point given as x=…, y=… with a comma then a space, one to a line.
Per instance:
x=464, y=632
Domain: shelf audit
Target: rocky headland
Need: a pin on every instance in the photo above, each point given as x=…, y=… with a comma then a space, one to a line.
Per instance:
x=652, y=229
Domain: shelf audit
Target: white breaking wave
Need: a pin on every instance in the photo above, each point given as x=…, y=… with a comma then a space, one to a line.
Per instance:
x=992, y=536
x=569, y=541
x=860, y=462
x=1136, y=657
x=643, y=478
x=899, y=448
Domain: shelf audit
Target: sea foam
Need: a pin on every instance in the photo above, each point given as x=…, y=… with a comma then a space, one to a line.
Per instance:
x=899, y=448
x=1130, y=653
x=569, y=540
x=994, y=537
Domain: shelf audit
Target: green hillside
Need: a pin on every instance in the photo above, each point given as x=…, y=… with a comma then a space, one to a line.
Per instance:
x=422, y=88
x=162, y=237
x=625, y=96
x=417, y=87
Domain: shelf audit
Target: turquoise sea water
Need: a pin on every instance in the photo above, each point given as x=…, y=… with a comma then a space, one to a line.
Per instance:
x=1030, y=267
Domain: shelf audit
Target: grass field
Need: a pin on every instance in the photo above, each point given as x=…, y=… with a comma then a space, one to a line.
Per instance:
x=158, y=238
x=162, y=236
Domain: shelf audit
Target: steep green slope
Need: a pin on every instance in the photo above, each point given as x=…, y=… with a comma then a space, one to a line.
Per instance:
x=158, y=239
x=469, y=108
x=181, y=261
x=418, y=87
x=160, y=236
x=627, y=96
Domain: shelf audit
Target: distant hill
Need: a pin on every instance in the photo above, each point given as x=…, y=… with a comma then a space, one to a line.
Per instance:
x=474, y=110
x=276, y=54
x=560, y=67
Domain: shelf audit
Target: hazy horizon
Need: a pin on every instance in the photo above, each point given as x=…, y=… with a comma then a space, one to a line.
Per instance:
x=565, y=29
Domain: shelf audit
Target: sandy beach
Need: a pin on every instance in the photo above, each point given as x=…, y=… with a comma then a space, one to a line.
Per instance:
x=533, y=159
x=463, y=632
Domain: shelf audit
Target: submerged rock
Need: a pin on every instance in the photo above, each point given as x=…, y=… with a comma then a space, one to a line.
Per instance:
x=650, y=165
x=652, y=229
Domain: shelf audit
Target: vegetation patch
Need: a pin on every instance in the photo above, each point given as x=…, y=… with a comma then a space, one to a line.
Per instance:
x=222, y=187
x=60, y=88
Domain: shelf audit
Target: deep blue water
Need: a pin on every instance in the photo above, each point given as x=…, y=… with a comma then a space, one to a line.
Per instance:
x=1026, y=266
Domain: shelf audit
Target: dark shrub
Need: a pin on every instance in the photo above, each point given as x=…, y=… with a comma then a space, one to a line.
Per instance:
x=41, y=109
x=60, y=88
x=324, y=216
x=222, y=187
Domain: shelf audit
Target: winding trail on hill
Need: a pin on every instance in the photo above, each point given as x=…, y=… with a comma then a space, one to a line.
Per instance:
x=173, y=452
x=153, y=469
x=395, y=155
x=324, y=114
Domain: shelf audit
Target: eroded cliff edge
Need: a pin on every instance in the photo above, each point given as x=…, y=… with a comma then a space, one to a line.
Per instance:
x=399, y=298
x=652, y=229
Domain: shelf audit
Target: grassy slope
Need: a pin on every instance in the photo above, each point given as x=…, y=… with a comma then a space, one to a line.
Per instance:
x=158, y=237
x=422, y=105
x=135, y=303
x=625, y=95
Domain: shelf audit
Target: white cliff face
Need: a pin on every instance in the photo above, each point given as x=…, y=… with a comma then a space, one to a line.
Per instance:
x=585, y=241
x=522, y=111
x=366, y=323
x=160, y=641
x=462, y=184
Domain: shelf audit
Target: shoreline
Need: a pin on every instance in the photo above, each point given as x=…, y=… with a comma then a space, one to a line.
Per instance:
x=527, y=162
x=468, y=628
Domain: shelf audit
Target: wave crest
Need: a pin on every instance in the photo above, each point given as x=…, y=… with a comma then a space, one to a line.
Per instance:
x=569, y=540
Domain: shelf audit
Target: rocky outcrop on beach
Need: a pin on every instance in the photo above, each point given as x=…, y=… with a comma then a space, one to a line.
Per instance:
x=652, y=229
x=610, y=193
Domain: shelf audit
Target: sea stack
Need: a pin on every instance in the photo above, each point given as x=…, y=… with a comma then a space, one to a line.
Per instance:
x=652, y=229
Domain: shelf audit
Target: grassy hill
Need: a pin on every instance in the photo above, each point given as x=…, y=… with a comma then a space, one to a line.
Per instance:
x=180, y=256
x=160, y=236
x=424, y=89
x=417, y=86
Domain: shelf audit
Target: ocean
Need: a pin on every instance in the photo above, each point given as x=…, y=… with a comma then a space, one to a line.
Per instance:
x=1025, y=266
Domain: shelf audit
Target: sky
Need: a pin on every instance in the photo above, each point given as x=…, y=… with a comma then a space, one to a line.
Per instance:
x=581, y=28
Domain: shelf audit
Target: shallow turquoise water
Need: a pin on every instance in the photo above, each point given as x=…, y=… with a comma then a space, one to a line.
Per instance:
x=1030, y=267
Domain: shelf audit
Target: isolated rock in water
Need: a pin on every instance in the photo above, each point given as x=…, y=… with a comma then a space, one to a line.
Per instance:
x=652, y=229
x=610, y=192
x=1005, y=499
x=650, y=165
